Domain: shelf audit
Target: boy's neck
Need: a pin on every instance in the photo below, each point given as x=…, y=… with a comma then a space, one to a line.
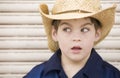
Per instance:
x=72, y=67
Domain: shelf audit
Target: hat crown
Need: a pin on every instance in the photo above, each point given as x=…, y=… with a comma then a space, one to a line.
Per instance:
x=76, y=5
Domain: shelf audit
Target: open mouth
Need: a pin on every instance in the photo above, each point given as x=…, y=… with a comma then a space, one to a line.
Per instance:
x=76, y=48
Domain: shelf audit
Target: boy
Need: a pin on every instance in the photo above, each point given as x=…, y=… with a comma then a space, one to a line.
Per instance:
x=73, y=29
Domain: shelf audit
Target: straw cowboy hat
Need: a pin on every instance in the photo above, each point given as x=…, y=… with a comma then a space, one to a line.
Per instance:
x=75, y=9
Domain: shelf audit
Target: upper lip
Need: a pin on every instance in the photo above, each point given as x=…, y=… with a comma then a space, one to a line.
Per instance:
x=76, y=47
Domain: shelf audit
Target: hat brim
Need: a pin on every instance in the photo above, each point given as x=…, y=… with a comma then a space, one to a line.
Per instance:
x=105, y=16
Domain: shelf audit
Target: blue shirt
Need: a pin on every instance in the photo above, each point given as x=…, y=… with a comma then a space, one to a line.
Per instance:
x=94, y=68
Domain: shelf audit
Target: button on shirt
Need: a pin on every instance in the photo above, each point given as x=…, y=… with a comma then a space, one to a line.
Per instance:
x=94, y=68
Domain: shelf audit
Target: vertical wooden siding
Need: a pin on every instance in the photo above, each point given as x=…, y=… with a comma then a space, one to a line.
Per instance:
x=23, y=42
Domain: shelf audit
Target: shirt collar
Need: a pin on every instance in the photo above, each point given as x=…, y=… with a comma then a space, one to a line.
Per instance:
x=54, y=63
x=92, y=69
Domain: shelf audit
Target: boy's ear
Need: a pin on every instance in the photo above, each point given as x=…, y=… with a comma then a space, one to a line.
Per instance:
x=98, y=34
x=54, y=34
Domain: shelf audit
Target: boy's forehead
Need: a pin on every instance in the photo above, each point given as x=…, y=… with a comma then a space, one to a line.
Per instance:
x=76, y=22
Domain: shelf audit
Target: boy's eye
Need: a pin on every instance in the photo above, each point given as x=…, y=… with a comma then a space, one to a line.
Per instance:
x=84, y=30
x=67, y=29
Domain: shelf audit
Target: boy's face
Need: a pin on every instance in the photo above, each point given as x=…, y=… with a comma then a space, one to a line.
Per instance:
x=76, y=38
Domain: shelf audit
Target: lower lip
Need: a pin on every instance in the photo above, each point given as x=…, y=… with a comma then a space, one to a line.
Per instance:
x=76, y=51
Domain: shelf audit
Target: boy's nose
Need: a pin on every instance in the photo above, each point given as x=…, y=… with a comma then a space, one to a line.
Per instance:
x=76, y=38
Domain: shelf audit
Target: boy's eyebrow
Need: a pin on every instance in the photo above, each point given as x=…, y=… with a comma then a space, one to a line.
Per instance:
x=86, y=24
x=62, y=23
